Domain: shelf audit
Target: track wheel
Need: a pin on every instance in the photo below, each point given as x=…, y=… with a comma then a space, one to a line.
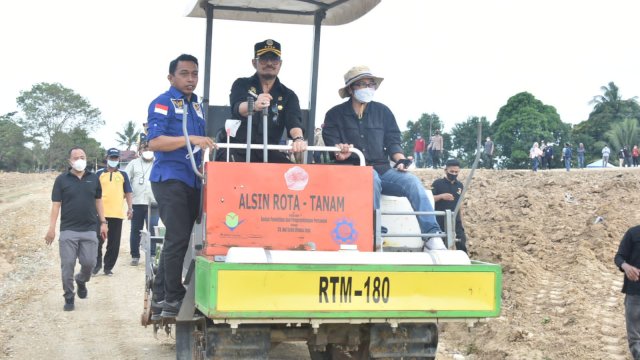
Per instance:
x=338, y=352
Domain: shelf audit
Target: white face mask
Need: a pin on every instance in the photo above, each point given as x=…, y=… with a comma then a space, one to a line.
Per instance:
x=147, y=155
x=113, y=163
x=364, y=95
x=79, y=165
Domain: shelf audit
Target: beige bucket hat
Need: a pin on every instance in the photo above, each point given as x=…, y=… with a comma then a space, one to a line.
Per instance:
x=354, y=74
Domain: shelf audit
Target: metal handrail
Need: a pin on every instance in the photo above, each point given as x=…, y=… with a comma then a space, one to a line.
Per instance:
x=290, y=147
x=449, y=228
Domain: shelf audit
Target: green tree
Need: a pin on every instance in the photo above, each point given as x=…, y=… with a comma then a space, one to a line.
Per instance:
x=622, y=134
x=52, y=109
x=14, y=155
x=39, y=156
x=523, y=121
x=465, y=138
x=129, y=136
x=63, y=141
x=609, y=109
x=610, y=97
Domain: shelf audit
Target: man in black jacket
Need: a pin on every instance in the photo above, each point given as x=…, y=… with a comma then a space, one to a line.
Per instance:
x=269, y=94
x=627, y=259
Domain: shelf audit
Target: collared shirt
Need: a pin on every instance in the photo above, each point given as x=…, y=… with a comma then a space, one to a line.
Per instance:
x=139, y=172
x=114, y=185
x=165, y=118
x=377, y=134
x=488, y=147
x=437, y=142
x=78, y=200
x=284, y=111
x=444, y=186
x=629, y=252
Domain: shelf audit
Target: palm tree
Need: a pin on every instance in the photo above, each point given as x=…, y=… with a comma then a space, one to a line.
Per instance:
x=129, y=136
x=623, y=133
x=610, y=108
x=611, y=97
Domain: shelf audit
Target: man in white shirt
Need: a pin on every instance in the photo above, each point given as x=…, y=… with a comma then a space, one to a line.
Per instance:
x=138, y=171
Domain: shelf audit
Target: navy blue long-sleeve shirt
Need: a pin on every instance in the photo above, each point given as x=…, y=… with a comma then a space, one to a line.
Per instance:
x=377, y=134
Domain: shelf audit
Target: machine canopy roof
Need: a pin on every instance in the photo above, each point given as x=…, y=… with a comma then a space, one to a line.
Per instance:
x=337, y=12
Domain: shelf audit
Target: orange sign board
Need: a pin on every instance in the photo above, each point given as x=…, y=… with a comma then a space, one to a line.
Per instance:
x=287, y=206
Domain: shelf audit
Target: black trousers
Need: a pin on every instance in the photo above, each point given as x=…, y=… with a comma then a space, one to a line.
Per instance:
x=461, y=241
x=435, y=158
x=113, y=244
x=179, y=205
x=461, y=237
x=139, y=218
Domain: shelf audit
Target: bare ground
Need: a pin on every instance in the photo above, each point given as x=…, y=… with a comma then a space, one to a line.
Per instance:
x=561, y=297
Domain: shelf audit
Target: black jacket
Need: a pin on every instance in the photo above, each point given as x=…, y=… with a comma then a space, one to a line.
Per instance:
x=629, y=252
x=377, y=134
x=284, y=112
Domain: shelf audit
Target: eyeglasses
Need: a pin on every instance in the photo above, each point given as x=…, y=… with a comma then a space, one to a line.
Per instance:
x=362, y=84
x=270, y=58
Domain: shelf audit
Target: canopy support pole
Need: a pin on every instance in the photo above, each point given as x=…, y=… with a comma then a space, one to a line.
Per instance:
x=317, y=24
x=207, y=64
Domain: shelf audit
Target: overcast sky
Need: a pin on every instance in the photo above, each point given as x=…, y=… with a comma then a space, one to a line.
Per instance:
x=452, y=58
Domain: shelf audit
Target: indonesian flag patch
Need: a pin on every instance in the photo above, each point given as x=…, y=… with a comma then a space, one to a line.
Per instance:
x=161, y=109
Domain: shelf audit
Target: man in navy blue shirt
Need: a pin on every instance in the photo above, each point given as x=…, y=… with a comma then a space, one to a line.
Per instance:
x=371, y=127
x=175, y=185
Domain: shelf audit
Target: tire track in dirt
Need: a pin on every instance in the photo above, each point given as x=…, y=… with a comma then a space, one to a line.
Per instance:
x=611, y=317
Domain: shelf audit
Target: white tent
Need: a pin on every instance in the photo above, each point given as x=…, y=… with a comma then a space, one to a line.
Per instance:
x=598, y=165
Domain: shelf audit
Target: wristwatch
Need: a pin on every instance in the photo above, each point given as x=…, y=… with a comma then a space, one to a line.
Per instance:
x=298, y=138
x=104, y=222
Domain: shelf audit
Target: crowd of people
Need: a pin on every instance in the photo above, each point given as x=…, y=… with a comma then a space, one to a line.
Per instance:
x=92, y=206
x=429, y=155
x=542, y=156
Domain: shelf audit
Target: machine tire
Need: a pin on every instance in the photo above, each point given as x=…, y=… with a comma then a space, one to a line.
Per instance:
x=361, y=354
x=334, y=352
x=319, y=355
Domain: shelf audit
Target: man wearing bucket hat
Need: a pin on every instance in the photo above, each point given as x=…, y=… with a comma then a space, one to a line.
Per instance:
x=268, y=93
x=371, y=127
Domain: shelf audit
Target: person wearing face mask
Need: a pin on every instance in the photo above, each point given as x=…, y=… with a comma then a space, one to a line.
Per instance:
x=116, y=188
x=446, y=193
x=269, y=94
x=77, y=195
x=138, y=171
x=371, y=127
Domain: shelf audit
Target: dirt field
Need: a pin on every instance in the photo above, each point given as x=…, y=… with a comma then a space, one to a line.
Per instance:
x=561, y=297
